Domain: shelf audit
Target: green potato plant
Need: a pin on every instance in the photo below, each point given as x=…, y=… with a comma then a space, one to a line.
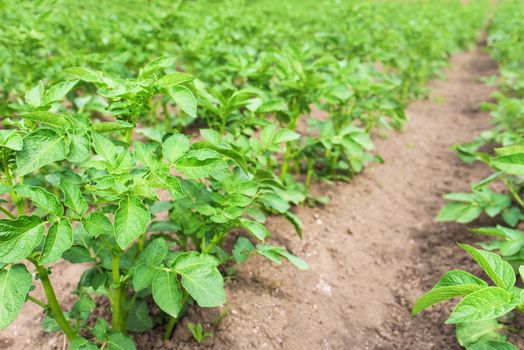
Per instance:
x=484, y=309
x=476, y=314
x=85, y=194
x=159, y=174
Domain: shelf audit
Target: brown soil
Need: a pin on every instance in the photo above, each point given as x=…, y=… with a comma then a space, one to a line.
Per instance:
x=373, y=250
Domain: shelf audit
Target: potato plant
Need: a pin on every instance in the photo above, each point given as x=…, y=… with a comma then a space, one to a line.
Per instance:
x=159, y=173
x=501, y=148
x=482, y=304
x=85, y=192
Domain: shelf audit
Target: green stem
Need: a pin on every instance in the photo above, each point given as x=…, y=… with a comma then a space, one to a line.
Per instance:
x=19, y=204
x=512, y=191
x=141, y=242
x=54, y=305
x=8, y=213
x=117, y=295
x=285, y=163
x=169, y=329
x=213, y=243
x=309, y=174
x=123, y=312
x=38, y=302
x=172, y=320
x=129, y=136
x=167, y=119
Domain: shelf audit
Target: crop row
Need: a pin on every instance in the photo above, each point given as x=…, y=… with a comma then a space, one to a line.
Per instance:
x=161, y=175
x=484, y=313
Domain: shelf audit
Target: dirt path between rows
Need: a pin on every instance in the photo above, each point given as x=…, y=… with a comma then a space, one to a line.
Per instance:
x=373, y=250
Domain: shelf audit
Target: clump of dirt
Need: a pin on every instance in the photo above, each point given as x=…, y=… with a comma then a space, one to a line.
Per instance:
x=372, y=251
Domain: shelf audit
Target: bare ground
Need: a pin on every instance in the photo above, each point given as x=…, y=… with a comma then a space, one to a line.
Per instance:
x=373, y=250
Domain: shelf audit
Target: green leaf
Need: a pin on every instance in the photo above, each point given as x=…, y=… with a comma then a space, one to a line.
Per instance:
x=497, y=269
x=284, y=136
x=15, y=283
x=143, y=276
x=201, y=279
x=198, y=163
x=139, y=318
x=295, y=260
x=73, y=198
x=166, y=293
x=155, y=134
x=469, y=333
x=131, y=220
x=509, y=150
x=19, y=237
x=492, y=345
x=97, y=224
x=119, y=341
x=80, y=343
x=104, y=147
x=41, y=147
x=458, y=278
x=11, y=139
x=57, y=92
x=485, y=304
x=111, y=126
x=145, y=154
x=101, y=329
x=78, y=254
x=211, y=136
x=157, y=64
x=41, y=198
x=156, y=252
x=45, y=118
x=489, y=231
x=276, y=254
x=256, y=229
x=184, y=99
x=437, y=295
x=243, y=247
x=511, y=164
x=79, y=148
x=84, y=74
x=84, y=304
x=205, y=285
x=175, y=78
x=35, y=95
x=174, y=147
x=460, y=212
x=295, y=221
x=59, y=239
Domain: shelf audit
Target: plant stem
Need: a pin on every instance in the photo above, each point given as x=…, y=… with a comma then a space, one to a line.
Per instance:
x=309, y=174
x=169, y=329
x=141, y=242
x=129, y=136
x=54, y=305
x=512, y=191
x=213, y=243
x=117, y=303
x=167, y=119
x=285, y=163
x=172, y=320
x=8, y=213
x=37, y=302
x=19, y=205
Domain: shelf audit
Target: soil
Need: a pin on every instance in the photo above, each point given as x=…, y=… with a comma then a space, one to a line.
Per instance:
x=372, y=251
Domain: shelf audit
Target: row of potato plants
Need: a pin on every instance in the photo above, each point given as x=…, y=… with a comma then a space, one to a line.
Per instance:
x=162, y=180
x=484, y=313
